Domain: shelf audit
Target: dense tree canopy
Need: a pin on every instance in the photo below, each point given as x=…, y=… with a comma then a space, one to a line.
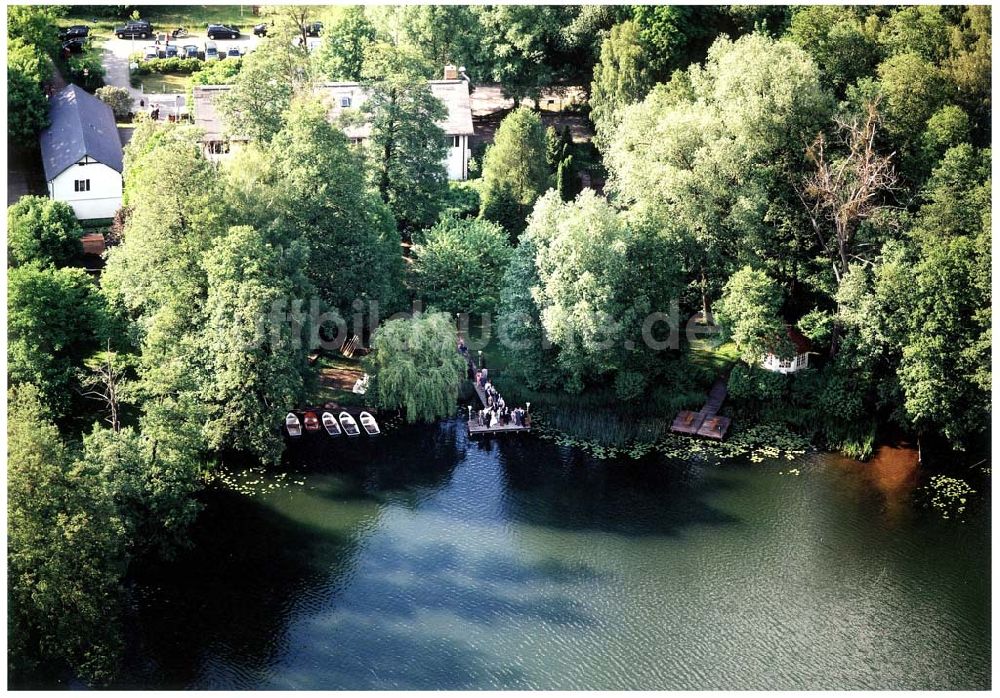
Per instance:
x=599, y=281
x=515, y=171
x=309, y=184
x=406, y=148
x=65, y=552
x=42, y=230
x=55, y=319
x=620, y=78
x=750, y=314
x=460, y=264
x=256, y=362
x=28, y=109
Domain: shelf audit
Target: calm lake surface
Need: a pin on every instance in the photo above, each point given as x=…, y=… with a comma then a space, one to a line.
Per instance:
x=425, y=560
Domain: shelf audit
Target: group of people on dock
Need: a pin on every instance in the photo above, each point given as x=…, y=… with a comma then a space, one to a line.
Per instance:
x=496, y=413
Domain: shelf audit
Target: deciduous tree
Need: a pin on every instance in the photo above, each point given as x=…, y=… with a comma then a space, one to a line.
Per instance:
x=515, y=170
x=28, y=109
x=460, y=264
x=42, y=230
x=620, y=78
x=55, y=320
x=256, y=362
x=415, y=366
x=750, y=314
x=65, y=552
x=406, y=148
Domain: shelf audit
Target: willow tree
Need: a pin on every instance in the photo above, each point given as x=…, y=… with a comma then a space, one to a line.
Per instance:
x=415, y=366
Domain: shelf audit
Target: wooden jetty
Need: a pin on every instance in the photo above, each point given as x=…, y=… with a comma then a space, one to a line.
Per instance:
x=705, y=422
x=473, y=424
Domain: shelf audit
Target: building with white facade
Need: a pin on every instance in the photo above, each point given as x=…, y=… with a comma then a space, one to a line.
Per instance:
x=798, y=360
x=82, y=154
x=344, y=99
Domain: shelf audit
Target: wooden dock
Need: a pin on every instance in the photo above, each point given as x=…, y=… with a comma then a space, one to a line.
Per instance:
x=476, y=430
x=706, y=421
x=473, y=424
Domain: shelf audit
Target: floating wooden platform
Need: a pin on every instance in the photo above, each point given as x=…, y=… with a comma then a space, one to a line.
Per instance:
x=476, y=430
x=705, y=422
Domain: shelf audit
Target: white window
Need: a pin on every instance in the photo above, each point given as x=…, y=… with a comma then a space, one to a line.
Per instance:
x=357, y=141
x=453, y=141
x=81, y=185
x=345, y=101
x=218, y=147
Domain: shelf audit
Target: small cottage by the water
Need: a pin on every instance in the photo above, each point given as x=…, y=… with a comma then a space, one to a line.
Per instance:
x=798, y=360
x=82, y=154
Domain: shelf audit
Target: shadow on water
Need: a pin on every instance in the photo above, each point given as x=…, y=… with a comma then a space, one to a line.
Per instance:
x=553, y=486
x=404, y=466
x=230, y=595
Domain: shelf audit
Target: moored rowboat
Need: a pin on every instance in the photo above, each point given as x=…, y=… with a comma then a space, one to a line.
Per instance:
x=330, y=424
x=311, y=421
x=350, y=426
x=369, y=423
x=293, y=425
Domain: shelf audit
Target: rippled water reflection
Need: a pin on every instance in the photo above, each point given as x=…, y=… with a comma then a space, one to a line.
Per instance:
x=423, y=560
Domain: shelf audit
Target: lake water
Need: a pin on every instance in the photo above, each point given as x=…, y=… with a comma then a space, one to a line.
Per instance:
x=425, y=560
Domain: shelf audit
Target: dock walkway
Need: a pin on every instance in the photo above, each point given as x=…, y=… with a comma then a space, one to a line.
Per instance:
x=706, y=421
x=474, y=428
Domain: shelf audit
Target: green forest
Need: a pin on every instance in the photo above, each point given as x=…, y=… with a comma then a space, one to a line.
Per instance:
x=820, y=167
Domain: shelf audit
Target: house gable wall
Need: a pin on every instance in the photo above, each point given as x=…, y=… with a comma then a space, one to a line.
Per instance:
x=104, y=196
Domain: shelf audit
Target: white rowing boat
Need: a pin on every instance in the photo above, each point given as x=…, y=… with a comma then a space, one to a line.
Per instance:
x=350, y=426
x=369, y=423
x=330, y=424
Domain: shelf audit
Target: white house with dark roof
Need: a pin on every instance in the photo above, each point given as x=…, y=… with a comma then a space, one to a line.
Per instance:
x=82, y=154
x=342, y=97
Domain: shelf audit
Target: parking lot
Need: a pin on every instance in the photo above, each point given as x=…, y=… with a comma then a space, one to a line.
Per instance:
x=117, y=52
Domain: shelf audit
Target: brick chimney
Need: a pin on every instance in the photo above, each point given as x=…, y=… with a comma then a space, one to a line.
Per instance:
x=450, y=72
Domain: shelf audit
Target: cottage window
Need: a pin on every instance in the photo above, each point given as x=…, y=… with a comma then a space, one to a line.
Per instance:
x=453, y=141
x=345, y=101
x=218, y=147
x=357, y=141
x=81, y=185
x=785, y=363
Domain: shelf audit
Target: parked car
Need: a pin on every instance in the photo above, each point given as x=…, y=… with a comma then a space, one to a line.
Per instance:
x=313, y=28
x=260, y=29
x=77, y=31
x=234, y=52
x=134, y=29
x=170, y=51
x=73, y=46
x=221, y=31
x=189, y=51
x=212, y=51
x=150, y=52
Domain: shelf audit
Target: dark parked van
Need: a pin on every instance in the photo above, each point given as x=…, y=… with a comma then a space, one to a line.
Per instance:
x=134, y=29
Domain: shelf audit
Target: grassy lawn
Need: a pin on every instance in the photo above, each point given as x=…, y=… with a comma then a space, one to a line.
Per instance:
x=164, y=83
x=710, y=354
x=336, y=378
